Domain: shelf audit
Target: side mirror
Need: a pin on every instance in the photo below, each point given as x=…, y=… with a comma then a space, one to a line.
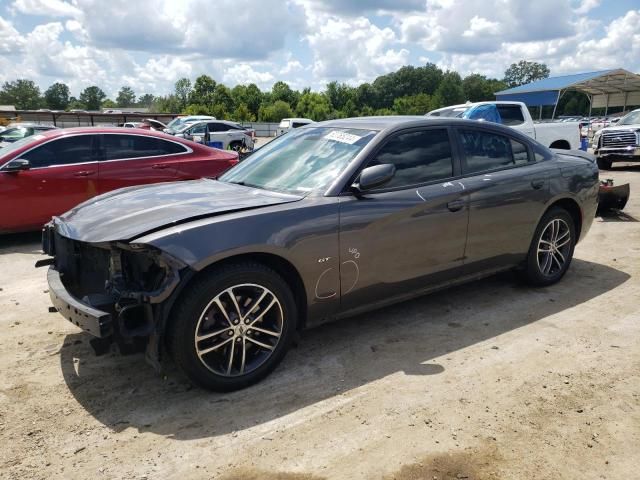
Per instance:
x=17, y=165
x=372, y=177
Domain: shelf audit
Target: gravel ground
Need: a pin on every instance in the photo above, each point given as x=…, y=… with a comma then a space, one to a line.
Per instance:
x=492, y=380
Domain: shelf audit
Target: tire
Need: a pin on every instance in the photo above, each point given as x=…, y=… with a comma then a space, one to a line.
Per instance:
x=230, y=354
x=604, y=164
x=543, y=269
x=235, y=146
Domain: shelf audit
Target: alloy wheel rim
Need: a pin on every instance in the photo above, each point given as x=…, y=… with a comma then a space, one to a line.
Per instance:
x=553, y=247
x=239, y=330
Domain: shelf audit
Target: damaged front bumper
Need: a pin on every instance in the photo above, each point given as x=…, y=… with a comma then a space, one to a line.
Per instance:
x=116, y=291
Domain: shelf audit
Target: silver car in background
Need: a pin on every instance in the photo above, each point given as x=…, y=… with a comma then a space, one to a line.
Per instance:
x=221, y=134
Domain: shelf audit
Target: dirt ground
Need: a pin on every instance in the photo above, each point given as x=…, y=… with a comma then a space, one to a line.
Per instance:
x=492, y=380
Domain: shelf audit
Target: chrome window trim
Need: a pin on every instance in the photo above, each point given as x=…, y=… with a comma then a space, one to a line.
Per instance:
x=188, y=150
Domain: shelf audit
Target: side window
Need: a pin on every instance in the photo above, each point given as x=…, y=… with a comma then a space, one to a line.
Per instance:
x=484, y=151
x=217, y=127
x=64, y=151
x=297, y=124
x=520, y=152
x=198, y=129
x=419, y=157
x=510, y=114
x=171, y=148
x=118, y=147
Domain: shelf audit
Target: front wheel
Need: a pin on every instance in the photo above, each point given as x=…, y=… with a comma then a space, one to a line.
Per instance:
x=233, y=326
x=551, y=249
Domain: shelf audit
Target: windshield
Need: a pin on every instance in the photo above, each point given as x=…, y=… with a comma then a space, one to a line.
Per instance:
x=5, y=151
x=632, y=118
x=175, y=123
x=304, y=160
x=13, y=134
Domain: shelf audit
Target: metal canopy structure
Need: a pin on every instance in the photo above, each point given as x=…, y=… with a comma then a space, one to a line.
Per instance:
x=606, y=88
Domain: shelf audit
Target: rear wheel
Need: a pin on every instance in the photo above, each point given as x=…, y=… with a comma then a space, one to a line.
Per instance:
x=233, y=327
x=604, y=164
x=551, y=249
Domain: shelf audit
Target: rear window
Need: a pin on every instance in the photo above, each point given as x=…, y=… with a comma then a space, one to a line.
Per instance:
x=484, y=151
x=510, y=114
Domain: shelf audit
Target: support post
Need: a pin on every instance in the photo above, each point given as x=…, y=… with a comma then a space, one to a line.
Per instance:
x=553, y=115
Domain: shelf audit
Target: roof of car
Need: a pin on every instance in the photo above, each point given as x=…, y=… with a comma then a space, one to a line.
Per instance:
x=59, y=132
x=384, y=122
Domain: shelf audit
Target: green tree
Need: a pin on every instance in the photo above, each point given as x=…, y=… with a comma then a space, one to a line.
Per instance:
x=126, y=97
x=339, y=94
x=56, y=97
x=197, y=109
x=108, y=103
x=222, y=98
x=282, y=91
x=449, y=92
x=253, y=98
x=413, y=104
x=23, y=94
x=314, y=105
x=275, y=112
x=75, y=104
x=203, y=90
x=146, y=100
x=242, y=113
x=182, y=89
x=166, y=104
x=525, y=72
x=92, y=98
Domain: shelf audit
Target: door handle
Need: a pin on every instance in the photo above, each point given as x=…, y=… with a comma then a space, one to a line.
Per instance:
x=160, y=166
x=455, y=205
x=537, y=184
x=83, y=173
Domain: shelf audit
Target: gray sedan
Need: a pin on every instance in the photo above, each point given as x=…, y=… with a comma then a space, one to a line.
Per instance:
x=330, y=220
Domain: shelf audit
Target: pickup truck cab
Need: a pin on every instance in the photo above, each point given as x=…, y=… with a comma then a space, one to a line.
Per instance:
x=562, y=135
x=618, y=143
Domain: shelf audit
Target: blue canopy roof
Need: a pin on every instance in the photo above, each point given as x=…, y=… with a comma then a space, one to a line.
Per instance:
x=546, y=91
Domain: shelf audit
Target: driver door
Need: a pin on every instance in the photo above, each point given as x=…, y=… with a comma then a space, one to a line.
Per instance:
x=410, y=233
x=63, y=173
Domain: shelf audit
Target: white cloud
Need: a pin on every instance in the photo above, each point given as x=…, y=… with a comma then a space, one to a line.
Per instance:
x=586, y=6
x=49, y=8
x=11, y=42
x=353, y=51
x=244, y=73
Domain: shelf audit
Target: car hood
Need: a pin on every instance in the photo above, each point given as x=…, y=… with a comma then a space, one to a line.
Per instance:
x=134, y=211
x=620, y=128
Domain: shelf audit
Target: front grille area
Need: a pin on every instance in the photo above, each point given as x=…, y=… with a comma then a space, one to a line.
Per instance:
x=620, y=139
x=84, y=268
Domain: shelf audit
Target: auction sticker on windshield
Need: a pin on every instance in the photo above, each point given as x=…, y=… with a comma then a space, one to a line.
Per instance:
x=342, y=137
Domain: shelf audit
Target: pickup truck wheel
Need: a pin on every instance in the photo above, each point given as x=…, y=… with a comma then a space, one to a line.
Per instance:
x=604, y=164
x=233, y=326
x=551, y=249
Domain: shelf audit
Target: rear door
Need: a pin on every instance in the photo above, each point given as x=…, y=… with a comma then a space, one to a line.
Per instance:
x=132, y=159
x=63, y=173
x=410, y=233
x=220, y=135
x=508, y=191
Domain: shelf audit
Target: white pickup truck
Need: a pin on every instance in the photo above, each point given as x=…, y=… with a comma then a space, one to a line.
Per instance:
x=618, y=143
x=563, y=135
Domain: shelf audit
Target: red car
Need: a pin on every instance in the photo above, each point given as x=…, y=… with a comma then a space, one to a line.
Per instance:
x=50, y=173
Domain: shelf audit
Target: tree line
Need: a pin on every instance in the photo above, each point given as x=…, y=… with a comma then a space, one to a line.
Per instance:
x=407, y=91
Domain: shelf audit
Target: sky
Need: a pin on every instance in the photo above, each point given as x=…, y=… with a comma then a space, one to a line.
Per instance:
x=149, y=44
